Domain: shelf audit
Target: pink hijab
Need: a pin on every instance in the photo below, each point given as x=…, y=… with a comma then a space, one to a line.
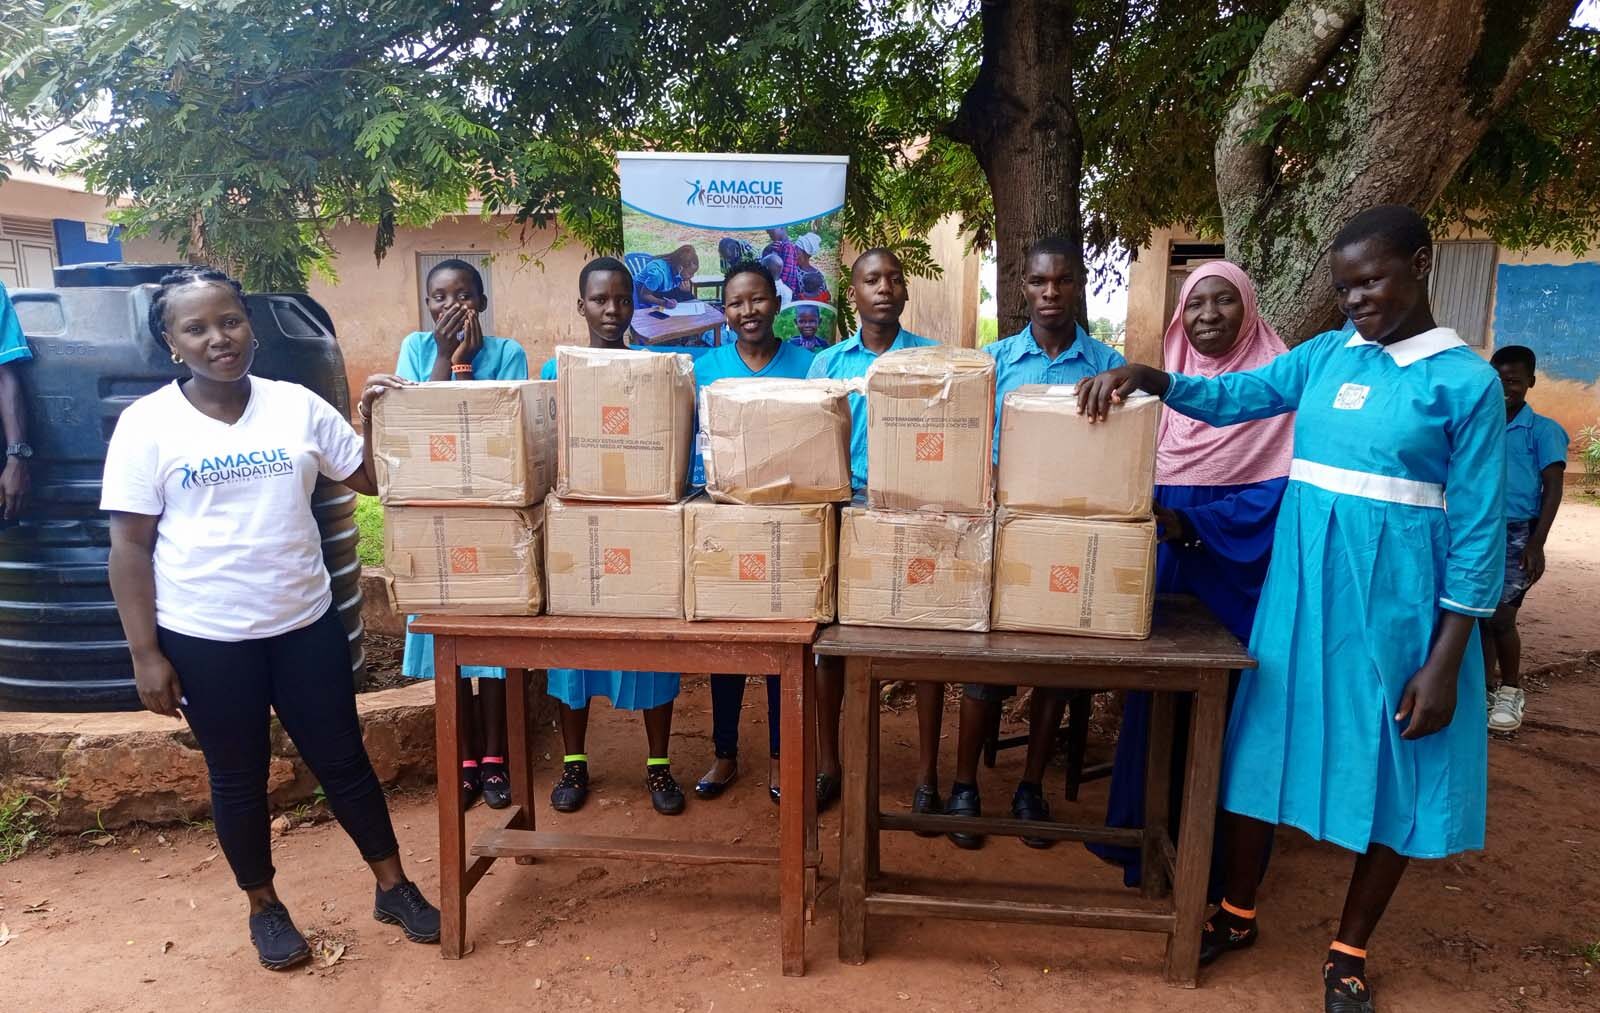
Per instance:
x=1190, y=452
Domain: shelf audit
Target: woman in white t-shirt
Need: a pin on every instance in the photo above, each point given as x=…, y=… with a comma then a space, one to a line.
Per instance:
x=216, y=565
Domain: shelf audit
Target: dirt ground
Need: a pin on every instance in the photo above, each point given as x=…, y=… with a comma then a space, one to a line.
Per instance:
x=151, y=921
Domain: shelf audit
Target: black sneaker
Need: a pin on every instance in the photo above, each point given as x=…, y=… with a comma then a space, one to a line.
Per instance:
x=471, y=787
x=926, y=802
x=1225, y=933
x=964, y=801
x=1029, y=804
x=665, y=794
x=572, y=790
x=278, y=943
x=1347, y=994
x=496, y=786
x=406, y=907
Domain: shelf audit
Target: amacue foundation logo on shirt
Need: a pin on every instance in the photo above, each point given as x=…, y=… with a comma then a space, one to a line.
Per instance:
x=234, y=469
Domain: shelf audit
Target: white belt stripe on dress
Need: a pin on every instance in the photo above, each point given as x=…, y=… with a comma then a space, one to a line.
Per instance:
x=1367, y=485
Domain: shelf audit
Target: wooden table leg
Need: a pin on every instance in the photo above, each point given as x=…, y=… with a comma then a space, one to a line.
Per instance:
x=794, y=790
x=874, y=806
x=1199, y=819
x=520, y=746
x=809, y=716
x=854, y=750
x=1157, y=795
x=452, y=821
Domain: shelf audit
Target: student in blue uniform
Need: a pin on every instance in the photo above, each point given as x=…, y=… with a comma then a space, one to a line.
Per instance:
x=878, y=286
x=605, y=301
x=1536, y=459
x=1216, y=498
x=1364, y=724
x=1052, y=348
x=750, y=300
x=15, y=484
x=457, y=349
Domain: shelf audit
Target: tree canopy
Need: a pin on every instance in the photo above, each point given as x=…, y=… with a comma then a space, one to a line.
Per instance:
x=244, y=130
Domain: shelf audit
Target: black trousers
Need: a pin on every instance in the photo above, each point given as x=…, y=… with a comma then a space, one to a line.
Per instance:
x=304, y=676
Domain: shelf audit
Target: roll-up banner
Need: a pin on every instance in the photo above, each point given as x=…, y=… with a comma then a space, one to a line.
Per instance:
x=687, y=218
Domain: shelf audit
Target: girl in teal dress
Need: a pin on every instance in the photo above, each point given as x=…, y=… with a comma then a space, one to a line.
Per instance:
x=605, y=301
x=1364, y=724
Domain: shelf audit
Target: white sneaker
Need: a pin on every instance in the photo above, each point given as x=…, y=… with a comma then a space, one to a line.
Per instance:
x=1506, y=714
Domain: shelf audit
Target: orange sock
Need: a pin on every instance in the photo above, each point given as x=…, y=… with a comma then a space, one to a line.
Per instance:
x=1347, y=950
x=1248, y=914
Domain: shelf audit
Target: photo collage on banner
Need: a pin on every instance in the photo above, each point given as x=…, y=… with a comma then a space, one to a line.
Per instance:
x=687, y=218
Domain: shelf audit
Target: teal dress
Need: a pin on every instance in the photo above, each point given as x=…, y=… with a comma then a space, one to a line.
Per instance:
x=498, y=359
x=629, y=691
x=1393, y=512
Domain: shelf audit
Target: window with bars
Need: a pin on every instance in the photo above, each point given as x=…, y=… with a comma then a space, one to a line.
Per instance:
x=1462, y=286
x=427, y=261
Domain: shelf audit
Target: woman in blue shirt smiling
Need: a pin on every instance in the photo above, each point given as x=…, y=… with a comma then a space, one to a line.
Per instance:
x=1364, y=724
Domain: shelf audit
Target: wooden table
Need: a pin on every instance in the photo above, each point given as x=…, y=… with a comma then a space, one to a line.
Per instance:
x=657, y=331
x=714, y=282
x=519, y=644
x=1187, y=652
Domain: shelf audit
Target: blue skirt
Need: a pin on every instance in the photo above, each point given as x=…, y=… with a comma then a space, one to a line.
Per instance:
x=417, y=662
x=628, y=691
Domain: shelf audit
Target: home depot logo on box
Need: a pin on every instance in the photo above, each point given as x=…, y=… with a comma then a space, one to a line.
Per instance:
x=752, y=566
x=930, y=446
x=441, y=447
x=1064, y=579
x=464, y=560
x=920, y=570
x=618, y=561
x=614, y=420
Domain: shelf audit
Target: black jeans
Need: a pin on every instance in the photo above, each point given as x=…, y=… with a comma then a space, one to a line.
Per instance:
x=727, y=700
x=303, y=675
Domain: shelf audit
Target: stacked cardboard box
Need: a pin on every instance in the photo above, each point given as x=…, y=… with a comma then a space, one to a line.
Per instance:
x=922, y=554
x=1075, y=542
x=777, y=457
x=461, y=470
x=614, y=523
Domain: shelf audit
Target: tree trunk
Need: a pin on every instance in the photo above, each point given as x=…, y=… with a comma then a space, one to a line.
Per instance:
x=1428, y=80
x=1018, y=118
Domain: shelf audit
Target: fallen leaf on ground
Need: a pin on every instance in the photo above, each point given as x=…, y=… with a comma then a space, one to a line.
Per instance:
x=165, y=875
x=424, y=860
x=329, y=953
x=191, y=904
x=6, y=935
x=210, y=858
x=538, y=983
x=166, y=946
x=101, y=842
x=505, y=942
x=42, y=907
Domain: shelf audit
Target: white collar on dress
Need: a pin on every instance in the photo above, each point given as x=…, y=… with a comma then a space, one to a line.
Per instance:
x=1415, y=348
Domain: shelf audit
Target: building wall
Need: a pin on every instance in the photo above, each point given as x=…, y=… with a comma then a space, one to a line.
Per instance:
x=1546, y=299
x=946, y=309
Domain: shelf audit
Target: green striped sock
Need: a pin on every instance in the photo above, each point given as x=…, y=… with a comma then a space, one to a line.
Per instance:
x=575, y=758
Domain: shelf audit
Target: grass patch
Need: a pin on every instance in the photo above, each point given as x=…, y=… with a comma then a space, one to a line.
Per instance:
x=1591, y=953
x=988, y=330
x=23, y=819
x=369, y=521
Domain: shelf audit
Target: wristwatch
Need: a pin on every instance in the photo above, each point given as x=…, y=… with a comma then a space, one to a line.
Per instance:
x=21, y=450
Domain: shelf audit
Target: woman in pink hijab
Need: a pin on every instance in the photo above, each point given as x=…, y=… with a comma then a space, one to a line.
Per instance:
x=1217, y=494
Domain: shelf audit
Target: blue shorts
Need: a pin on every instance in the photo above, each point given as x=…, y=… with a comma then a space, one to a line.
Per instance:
x=1517, y=582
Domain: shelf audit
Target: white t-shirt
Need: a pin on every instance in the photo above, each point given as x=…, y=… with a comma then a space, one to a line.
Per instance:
x=238, y=554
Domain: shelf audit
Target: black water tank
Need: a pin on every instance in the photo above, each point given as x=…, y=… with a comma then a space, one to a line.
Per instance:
x=61, y=644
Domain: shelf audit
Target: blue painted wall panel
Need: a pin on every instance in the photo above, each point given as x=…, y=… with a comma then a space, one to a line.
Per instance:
x=73, y=246
x=1554, y=310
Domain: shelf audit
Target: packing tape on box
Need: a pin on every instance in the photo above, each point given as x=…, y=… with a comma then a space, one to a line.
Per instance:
x=811, y=565
x=1012, y=574
x=401, y=564
x=559, y=562
x=855, y=568
x=614, y=471
x=1129, y=579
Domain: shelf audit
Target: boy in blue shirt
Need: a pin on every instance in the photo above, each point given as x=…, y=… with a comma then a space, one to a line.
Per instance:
x=457, y=349
x=1536, y=459
x=750, y=300
x=878, y=286
x=1051, y=349
x=14, y=480
x=605, y=301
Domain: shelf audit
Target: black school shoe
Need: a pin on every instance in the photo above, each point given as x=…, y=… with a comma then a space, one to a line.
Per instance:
x=1350, y=994
x=829, y=788
x=279, y=945
x=964, y=802
x=665, y=794
x=925, y=801
x=406, y=907
x=496, y=786
x=1225, y=933
x=1029, y=804
x=572, y=790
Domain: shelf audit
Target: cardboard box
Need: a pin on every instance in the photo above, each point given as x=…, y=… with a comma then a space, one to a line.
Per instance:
x=1070, y=575
x=475, y=560
x=625, y=421
x=930, y=430
x=759, y=562
x=918, y=570
x=613, y=559
x=776, y=441
x=479, y=442
x=1053, y=461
